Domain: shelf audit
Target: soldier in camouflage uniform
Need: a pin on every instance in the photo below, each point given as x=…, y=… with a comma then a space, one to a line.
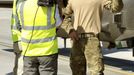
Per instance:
x=84, y=33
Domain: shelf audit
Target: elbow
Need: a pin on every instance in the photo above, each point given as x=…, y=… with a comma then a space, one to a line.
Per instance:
x=118, y=9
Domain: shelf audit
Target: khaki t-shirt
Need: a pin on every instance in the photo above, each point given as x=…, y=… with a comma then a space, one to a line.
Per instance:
x=88, y=14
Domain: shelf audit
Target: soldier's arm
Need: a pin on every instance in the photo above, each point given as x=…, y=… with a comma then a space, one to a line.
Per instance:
x=67, y=24
x=113, y=5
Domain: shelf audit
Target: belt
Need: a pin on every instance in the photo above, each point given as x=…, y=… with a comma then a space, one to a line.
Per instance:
x=87, y=35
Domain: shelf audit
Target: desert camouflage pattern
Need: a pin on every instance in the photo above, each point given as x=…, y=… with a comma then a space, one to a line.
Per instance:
x=86, y=52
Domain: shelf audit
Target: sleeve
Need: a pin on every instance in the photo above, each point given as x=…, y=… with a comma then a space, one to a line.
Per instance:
x=113, y=5
x=67, y=23
x=60, y=7
x=68, y=10
x=15, y=26
x=57, y=16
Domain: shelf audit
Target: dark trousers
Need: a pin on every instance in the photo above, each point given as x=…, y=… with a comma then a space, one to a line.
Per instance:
x=43, y=65
x=18, y=64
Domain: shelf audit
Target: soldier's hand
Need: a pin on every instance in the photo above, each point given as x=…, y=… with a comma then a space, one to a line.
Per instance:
x=16, y=47
x=73, y=35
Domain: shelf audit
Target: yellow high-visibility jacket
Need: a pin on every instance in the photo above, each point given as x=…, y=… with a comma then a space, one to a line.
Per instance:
x=37, y=28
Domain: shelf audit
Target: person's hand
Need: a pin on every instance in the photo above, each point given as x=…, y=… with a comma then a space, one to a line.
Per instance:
x=73, y=35
x=16, y=47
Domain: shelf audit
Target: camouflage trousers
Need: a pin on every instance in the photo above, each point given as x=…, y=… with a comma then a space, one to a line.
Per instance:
x=86, y=52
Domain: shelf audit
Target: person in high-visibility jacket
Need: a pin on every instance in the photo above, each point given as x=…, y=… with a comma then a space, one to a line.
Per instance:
x=37, y=31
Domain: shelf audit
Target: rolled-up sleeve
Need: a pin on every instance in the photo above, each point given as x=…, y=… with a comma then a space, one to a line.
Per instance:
x=113, y=5
x=67, y=23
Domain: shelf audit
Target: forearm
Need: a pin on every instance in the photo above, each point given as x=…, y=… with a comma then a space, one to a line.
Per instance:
x=15, y=28
x=67, y=24
x=15, y=35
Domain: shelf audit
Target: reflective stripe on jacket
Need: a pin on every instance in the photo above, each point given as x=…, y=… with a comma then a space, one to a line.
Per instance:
x=38, y=33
